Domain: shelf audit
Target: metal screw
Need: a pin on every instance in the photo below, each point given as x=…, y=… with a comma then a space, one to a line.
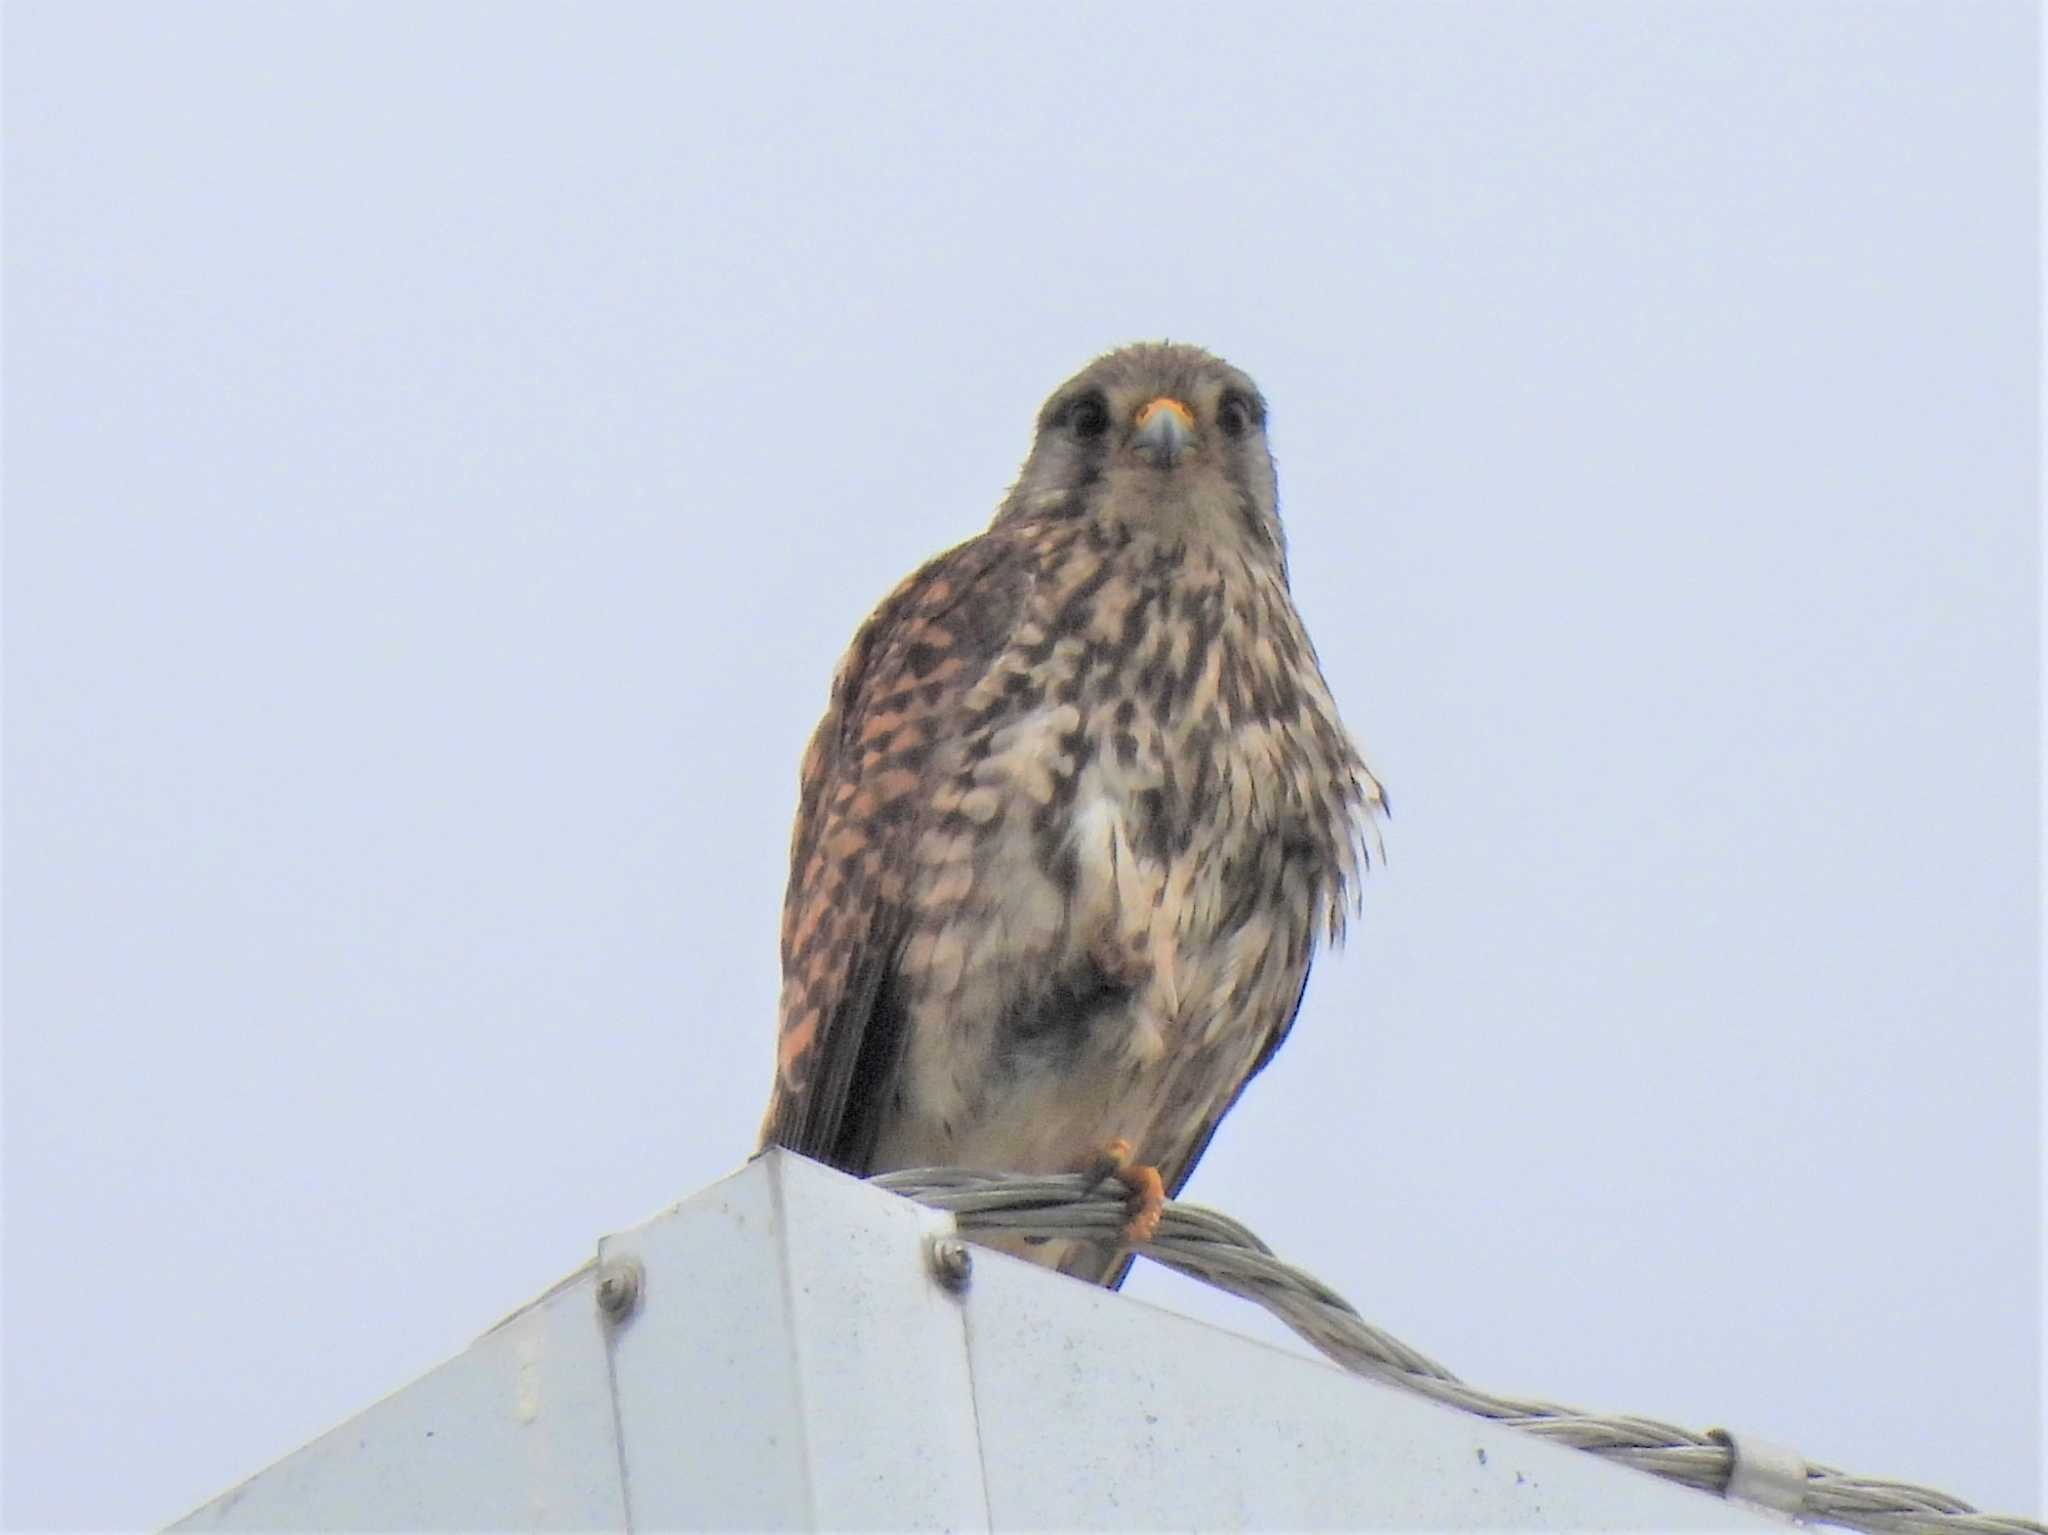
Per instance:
x=619, y=1281
x=952, y=1264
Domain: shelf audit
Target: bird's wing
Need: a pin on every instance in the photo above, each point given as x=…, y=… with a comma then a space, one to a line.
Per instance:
x=865, y=783
x=1109, y=1266
x=1175, y=1172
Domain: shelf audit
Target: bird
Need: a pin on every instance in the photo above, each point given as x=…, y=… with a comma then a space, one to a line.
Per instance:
x=1078, y=815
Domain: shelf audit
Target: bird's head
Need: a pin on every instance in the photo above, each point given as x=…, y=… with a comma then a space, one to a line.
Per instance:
x=1162, y=439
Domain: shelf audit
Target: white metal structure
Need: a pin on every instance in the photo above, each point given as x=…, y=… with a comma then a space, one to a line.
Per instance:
x=782, y=1352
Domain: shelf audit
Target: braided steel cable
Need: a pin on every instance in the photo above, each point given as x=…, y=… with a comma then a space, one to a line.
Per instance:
x=1208, y=1245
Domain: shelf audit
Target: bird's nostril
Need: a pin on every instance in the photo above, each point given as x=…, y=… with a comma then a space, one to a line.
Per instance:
x=1165, y=427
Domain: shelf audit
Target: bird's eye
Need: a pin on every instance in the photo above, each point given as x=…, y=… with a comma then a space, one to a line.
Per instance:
x=1088, y=416
x=1235, y=415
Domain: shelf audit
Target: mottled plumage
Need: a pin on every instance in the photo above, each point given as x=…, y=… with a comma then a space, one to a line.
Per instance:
x=1078, y=812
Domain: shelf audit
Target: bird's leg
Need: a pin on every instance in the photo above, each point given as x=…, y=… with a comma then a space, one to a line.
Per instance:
x=1148, y=1190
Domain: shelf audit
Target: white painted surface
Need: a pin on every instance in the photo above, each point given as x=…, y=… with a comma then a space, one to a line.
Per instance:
x=514, y=1433
x=1098, y=1412
x=792, y=1364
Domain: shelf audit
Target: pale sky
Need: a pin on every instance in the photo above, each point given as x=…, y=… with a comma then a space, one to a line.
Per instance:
x=448, y=447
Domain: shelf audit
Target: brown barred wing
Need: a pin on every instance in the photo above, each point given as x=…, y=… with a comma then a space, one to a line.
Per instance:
x=865, y=790
x=1111, y=1266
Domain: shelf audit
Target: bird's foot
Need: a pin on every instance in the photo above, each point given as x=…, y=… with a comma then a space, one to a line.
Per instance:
x=1148, y=1190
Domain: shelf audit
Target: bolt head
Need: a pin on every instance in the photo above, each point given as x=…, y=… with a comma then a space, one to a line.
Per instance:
x=619, y=1281
x=952, y=1262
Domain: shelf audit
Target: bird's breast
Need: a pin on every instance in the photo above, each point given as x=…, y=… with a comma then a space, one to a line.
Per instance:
x=1140, y=831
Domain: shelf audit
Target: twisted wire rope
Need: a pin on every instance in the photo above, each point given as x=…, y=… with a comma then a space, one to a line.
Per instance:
x=1209, y=1246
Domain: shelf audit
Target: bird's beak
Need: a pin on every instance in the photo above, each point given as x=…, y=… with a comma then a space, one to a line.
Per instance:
x=1165, y=428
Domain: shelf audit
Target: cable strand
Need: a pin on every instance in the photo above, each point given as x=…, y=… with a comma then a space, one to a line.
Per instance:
x=1209, y=1246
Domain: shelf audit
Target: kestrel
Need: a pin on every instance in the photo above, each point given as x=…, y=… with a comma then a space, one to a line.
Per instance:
x=1077, y=815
